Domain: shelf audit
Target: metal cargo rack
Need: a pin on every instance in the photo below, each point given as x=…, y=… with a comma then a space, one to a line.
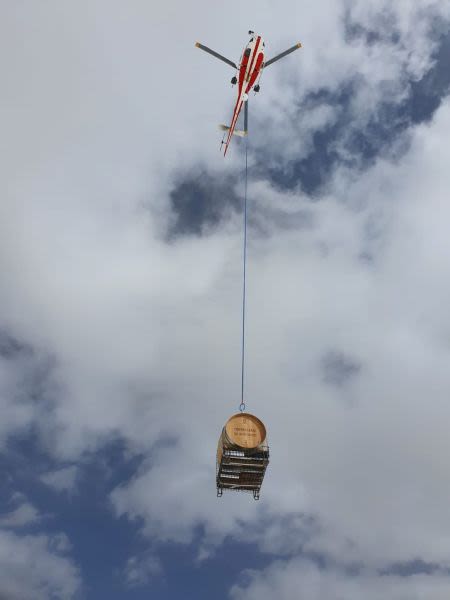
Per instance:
x=242, y=470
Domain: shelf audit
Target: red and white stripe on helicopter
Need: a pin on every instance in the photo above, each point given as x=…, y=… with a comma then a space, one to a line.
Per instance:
x=250, y=69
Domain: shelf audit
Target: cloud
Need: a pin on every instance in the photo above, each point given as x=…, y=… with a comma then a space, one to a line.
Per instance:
x=24, y=375
x=61, y=479
x=337, y=368
x=116, y=332
x=24, y=514
x=34, y=570
x=200, y=201
x=374, y=463
x=34, y=565
x=304, y=580
x=139, y=570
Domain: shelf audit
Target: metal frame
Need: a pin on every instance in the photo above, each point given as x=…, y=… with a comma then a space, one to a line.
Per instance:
x=242, y=470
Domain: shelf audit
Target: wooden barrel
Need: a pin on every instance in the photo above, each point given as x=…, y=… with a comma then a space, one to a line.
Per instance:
x=242, y=455
x=243, y=431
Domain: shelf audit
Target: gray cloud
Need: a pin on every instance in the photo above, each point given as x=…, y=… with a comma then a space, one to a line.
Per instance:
x=11, y=348
x=337, y=368
x=199, y=202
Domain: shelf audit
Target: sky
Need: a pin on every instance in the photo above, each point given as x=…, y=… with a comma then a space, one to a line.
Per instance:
x=120, y=300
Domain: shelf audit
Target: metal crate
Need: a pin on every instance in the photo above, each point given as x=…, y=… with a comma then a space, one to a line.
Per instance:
x=242, y=470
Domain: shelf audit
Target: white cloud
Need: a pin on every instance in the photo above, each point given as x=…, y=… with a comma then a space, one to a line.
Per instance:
x=17, y=410
x=33, y=570
x=372, y=452
x=145, y=334
x=139, y=570
x=24, y=514
x=303, y=580
x=34, y=567
x=62, y=479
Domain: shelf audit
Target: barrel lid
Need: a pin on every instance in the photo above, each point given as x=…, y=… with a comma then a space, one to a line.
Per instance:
x=245, y=430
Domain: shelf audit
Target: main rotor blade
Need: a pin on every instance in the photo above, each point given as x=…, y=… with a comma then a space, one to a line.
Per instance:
x=282, y=55
x=216, y=54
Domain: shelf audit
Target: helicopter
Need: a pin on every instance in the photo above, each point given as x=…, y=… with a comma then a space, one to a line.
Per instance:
x=248, y=74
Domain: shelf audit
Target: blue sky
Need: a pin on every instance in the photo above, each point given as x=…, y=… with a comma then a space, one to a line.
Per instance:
x=120, y=281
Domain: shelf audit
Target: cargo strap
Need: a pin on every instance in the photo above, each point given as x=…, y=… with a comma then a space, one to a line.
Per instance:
x=242, y=404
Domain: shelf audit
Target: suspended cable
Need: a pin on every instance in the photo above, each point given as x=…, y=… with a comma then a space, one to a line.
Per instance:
x=242, y=404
